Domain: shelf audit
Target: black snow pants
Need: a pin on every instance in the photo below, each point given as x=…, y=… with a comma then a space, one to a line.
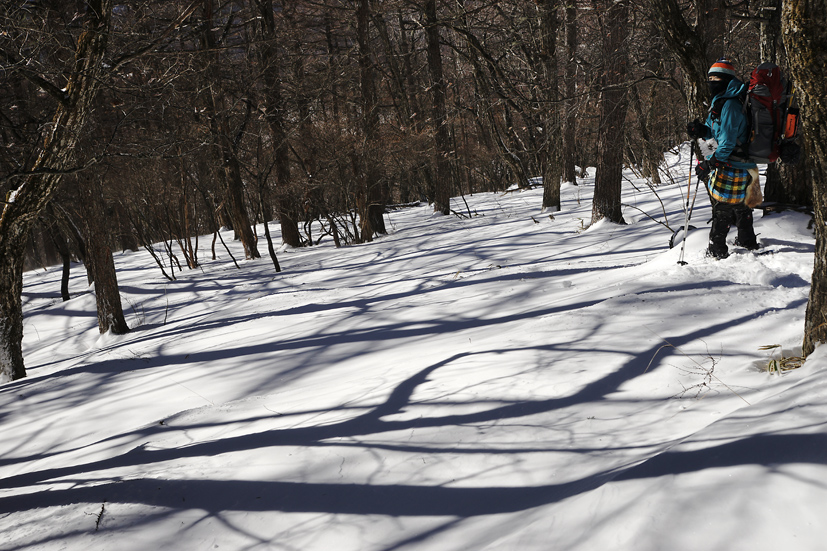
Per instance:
x=724, y=215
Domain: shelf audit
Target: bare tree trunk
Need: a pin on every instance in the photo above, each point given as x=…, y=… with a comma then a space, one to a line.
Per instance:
x=613, y=105
x=796, y=181
x=550, y=158
x=107, y=295
x=288, y=198
x=570, y=83
x=647, y=153
x=770, y=11
x=442, y=170
x=11, y=309
x=233, y=183
x=62, y=247
x=270, y=250
x=804, y=26
x=688, y=48
x=277, y=121
x=235, y=197
x=711, y=26
x=372, y=208
x=57, y=154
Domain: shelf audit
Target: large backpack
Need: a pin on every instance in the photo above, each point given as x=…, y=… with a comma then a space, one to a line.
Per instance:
x=766, y=108
x=772, y=121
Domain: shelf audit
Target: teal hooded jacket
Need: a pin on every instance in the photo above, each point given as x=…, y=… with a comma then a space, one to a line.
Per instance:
x=732, y=128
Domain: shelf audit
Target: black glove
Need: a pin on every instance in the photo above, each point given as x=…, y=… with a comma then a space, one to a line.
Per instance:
x=702, y=170
x=716, y=163
x=696, y=129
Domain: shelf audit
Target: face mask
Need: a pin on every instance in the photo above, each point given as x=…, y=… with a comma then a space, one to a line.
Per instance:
x=717, y=87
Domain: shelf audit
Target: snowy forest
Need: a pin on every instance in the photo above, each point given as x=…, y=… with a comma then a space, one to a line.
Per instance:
x=403, y=275
x=129, y=125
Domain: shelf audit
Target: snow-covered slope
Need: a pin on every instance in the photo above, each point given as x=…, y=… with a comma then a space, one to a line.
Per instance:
x=505, y=380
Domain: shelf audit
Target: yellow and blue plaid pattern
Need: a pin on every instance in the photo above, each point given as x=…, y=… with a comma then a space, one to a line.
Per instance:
x=729, y=184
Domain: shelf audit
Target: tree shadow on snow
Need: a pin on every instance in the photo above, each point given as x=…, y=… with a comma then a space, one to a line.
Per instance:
x=215, y=496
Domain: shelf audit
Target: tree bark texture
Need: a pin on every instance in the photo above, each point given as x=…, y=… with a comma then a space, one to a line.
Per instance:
x=372, y=202
x=648, y=155
x=57, y=154
x=442, y=169
x=277, y=122
x=550, y=158
x=570, y=83
x=795, y=185
x=613, y=106
x=689, y=50
x=62, y=246
x=711, y=25
x=770, y=28
x=107, y=295
x=804, y=27
x=233, y=183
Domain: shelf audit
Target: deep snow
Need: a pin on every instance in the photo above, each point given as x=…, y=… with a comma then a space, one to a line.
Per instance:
x=509, y=380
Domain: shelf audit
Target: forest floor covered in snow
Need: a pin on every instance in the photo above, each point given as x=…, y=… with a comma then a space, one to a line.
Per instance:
x=507, y=379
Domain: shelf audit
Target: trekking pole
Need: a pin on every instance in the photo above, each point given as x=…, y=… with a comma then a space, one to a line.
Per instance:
x=686, y=210
x=694, y=196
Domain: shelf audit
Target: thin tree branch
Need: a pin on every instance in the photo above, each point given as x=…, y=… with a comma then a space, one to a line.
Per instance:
x=161, y=37
x=18, y=65
x=49, y=171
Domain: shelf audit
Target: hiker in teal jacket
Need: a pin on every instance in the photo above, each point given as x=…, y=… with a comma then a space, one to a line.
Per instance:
x=727, y=174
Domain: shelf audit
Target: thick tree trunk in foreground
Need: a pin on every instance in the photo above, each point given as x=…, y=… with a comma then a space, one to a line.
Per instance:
x=57, y=155
x=805, y=37
x=11, y=309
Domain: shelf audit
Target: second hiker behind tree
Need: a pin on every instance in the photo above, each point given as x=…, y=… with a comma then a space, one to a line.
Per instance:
x=725, y=169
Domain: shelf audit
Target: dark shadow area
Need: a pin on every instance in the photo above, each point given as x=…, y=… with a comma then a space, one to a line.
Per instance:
x=767, y=450
x=215, y=496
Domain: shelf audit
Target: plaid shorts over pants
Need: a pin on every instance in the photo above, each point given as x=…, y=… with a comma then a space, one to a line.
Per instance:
x=729, y=185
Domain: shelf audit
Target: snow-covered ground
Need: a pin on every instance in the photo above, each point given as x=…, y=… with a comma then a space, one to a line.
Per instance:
x=508, y=380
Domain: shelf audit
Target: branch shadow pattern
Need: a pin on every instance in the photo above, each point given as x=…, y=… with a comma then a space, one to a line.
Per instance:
x=397, y=499
x=216, y=496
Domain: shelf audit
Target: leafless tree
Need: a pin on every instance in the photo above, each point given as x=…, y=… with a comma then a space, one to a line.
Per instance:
x=613, y=104
x=805, y=36
x=82, y=75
